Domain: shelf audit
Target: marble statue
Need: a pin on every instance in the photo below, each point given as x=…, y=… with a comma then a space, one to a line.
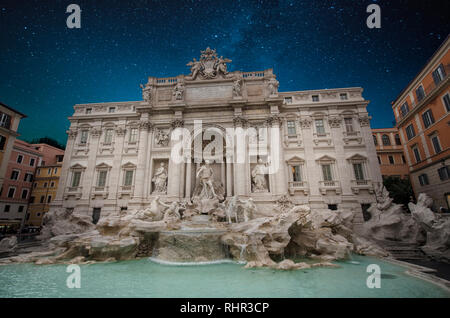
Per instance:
x=160, y=179
x=205, y=175
x=237, y=88
x=195, y=68
x=172, y=213
x=146, y=93
x=259, y=177
x=231, y=209
x=248, y=207
x=273, y=87
x=209, y=65
x=162, y=139
x=178, y=91
x=155, y=210
x=437, y=227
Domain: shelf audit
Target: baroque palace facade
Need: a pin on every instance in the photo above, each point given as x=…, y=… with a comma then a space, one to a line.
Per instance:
x=118, y=155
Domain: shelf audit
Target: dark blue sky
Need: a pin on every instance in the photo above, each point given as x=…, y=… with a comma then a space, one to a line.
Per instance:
x=46, y=68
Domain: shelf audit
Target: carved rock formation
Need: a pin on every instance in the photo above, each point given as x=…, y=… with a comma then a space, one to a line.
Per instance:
x=437, y=228
x=389, y=221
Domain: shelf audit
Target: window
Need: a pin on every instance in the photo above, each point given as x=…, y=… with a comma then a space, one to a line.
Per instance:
x=35, y=185
x=332, y=207
x=379, y=160
x=403, y=159
x=386, y=140
x=446, y=99
x=11, y=192
x=2, y=142
x=52, y=184
x=24, y=193
x=343, y=96
x=32, y=199
x=49, y=199
x=398, y=142
x=436, y=144
x=348, y=124
x=42, y=199
x=428, y=118
x=326, y=171
x=14, y=175
x=423, y=179
x=38, y=172
x=133, y=134
x=76, y=175
x=7, y=208
x=19, y=159
x=375, y=140
x=55, y=171
x=444, y=173
x=291, y=127
x=49, y=171
x=416, y=153
x=108, y=136
x=96, y=215
x=404, y=109
x=20, y=209
x=296, y=173
x=32, y=161
x=5, y=120
x=101, y=181
x=111, y=110
x=410, y=133
x=439, y=74
x=88, y=110
x=420, y=93
x=320, y=129
x=45, y=184
x=84, y=136
x=288, y=100
x=128, y=178
x=315, y=98
x=391, y=160
x=358, y=169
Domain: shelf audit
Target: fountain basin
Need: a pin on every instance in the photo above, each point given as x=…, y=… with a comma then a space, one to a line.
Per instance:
x=144, y=278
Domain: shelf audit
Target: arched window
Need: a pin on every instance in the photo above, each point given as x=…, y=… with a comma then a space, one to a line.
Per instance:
x=386, y=140
x=375, y=141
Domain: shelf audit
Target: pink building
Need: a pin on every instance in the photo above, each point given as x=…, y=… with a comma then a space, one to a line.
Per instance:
x=17, y=185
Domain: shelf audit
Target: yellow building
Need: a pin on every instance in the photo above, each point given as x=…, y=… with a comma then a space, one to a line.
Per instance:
x=43, y=192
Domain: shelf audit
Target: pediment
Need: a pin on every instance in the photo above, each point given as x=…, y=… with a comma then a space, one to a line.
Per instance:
x=77, y=166
x=357, y=157
x=295, y=159
x=128, y=165
x=325, y=158
x=103, y=166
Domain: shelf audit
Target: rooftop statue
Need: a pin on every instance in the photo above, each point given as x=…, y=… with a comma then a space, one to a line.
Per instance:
x=209, y=65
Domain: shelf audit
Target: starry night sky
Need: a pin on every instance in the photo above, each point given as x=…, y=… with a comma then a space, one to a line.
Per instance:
x=46, y=68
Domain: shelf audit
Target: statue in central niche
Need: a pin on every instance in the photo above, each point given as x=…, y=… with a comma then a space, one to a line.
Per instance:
x=208, y=192
x=206, y=177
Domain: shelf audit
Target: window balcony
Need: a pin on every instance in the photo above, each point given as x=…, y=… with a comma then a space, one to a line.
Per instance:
x=330, y=185
x=126, y=190
x=99, y=191
x=73, y=191
x=358, y=185
x=298, y=186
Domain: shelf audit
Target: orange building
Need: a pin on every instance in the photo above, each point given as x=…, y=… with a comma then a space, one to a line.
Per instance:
x=390, y=153
x=422, y=113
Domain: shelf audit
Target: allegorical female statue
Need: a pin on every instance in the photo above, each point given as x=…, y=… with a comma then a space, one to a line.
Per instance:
x=259, y=177
x=160, y=179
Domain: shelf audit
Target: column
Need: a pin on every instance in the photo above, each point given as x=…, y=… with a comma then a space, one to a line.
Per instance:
x=144, y=127
x=188, y=178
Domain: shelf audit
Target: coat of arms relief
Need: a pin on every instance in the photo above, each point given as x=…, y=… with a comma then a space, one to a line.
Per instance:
x=209, y=66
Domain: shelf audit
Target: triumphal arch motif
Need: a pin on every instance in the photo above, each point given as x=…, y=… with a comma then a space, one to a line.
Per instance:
x=214, y=134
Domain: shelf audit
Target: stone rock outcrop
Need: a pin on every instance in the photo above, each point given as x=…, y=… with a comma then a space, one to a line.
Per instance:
x=389, y=221
x=437, y=228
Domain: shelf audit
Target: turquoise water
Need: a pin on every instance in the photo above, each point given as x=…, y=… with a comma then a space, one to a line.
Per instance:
x=144, y=278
